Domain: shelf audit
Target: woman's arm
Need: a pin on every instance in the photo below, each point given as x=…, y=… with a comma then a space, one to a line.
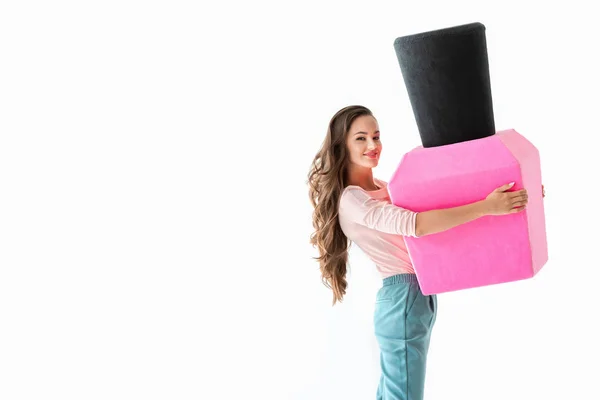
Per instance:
x=360, y=208
x=435, y=221
x=499, y=202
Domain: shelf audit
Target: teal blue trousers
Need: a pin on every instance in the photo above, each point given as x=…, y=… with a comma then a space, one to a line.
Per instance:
x=404, y=318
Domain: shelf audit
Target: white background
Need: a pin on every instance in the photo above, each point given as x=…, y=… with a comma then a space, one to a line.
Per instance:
x=154, y=216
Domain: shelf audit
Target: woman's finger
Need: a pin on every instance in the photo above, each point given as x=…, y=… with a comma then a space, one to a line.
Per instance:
x=518, y=193
x=519, y=198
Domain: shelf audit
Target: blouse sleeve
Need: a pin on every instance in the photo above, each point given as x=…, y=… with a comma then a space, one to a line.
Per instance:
x=357, y=206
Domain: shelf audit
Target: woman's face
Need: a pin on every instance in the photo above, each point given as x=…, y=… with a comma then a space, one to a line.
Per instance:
x=364, y=146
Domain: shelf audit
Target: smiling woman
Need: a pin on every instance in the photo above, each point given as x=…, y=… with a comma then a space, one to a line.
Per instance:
x=350, y=205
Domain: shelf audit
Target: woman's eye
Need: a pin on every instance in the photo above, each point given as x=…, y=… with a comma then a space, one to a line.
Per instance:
x=362, y=138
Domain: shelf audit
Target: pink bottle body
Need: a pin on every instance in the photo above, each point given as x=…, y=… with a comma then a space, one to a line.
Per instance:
x=491, y=249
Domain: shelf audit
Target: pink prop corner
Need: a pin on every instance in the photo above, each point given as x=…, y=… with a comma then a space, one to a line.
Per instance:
x=491, y=249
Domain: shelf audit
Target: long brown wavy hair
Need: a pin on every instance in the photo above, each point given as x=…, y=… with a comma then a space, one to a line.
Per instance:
x=327, y=179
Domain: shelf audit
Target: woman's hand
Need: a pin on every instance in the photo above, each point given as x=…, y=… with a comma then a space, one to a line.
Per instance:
x=501, y=202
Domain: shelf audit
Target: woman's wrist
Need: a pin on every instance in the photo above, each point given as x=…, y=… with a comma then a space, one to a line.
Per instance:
x=483, y=208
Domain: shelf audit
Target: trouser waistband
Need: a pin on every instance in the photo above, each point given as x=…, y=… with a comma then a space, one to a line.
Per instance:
x=400, y=278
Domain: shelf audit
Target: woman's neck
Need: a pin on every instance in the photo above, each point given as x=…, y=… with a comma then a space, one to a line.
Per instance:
x=362, y=178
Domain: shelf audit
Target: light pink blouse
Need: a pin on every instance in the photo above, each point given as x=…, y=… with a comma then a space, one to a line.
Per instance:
x=378, y=227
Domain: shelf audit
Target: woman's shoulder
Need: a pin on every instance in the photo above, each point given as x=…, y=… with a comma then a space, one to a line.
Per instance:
x=358, y=193
x=381, y=184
